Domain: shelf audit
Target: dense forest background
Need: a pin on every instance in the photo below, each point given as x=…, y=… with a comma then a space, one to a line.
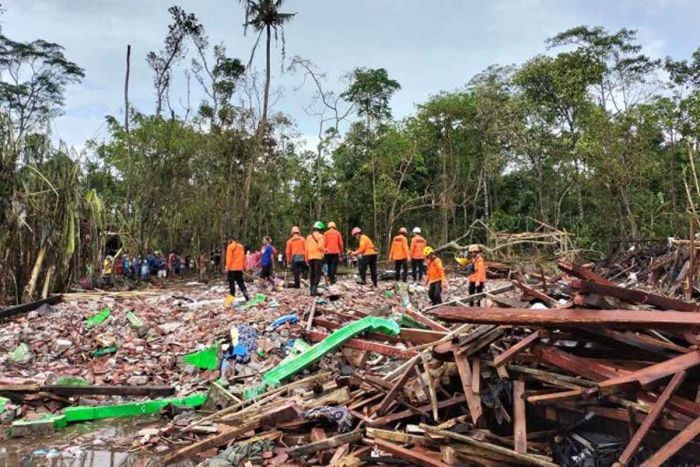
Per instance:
x=592, y=136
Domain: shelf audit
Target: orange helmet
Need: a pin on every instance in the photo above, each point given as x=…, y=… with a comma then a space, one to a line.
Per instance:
x=295, y=230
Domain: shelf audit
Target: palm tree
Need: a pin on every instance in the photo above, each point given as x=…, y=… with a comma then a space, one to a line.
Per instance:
x=264, y=16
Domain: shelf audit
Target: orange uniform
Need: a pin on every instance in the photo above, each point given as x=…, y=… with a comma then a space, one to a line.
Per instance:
x=296, y=245
x=235, y=257
x=436, y=271
x=479, y=274
x=366, y=246
x=417, y=245
x=315, y=246
x=399, y=248
x=333, y=241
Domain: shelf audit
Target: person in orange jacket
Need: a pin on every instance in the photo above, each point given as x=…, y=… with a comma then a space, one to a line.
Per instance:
x=315, y=249
x=296, y=255
x=435, y=278
x=477, y=279
x=368, y=256
x=400, y=254
x=235, y=264
x=418, y=243
x=334, y=250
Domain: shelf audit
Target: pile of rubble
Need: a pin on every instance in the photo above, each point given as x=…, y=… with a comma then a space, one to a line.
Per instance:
x=559, y=369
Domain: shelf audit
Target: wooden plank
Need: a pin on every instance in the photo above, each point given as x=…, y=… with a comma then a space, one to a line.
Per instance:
x=27, y=307
x=508, y=355
x=583, y=272
x=431, y=386
x=653, y=416
x=477, y=296
x=395, y=417
x=519, y=419
x=637, y=296
x=652, y=373
x=536, y=294
x=476, y=375
x=421, y=318
x=214, y=441
x=555, y=397
x=676, y=444
x=585, y=367
x=333, y=442
x=570, y=317
x=396, y=388
x=465, y=375
x=412, y=456
x=515, y=457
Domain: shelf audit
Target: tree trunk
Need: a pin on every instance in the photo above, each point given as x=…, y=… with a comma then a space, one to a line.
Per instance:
x=34, y=278
x=126, y=127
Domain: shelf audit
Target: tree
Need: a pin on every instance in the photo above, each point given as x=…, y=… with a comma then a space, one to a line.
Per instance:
x=183, y=25
x=370, y=91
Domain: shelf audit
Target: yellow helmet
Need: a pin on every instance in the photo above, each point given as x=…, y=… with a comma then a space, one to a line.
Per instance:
x=474, y=248
x=331, y=224
x=428, y=250
x=462, y=261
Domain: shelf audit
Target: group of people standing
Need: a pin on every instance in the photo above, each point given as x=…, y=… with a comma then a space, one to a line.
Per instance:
x=324, y=247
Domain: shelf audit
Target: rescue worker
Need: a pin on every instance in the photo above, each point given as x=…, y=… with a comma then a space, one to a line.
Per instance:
x=418, y=244
x=477, y=279
x=296, y=255
x=368, y=256
x=315, y=249
x=400, y=254
x=435, y=278
x=334, y=250
x=235, y=265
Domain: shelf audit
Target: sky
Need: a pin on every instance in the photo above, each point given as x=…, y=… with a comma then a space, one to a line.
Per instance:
x=428, y=46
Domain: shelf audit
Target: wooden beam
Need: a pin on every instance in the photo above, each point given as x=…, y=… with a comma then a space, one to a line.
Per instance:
x=27, y=307
x=508, y=355
x=465, y=375
x=652, y=373
x=333, y=442
x=536, y=294
x=395, y=417
x=552, y=398
x=570, y=317
x=637, y=296
x=676, y=444
x=515, y=457
x=214, y=441
x=583, y=272
x=649, y=421
x=519, y=419
x=476, y=375
x=412, y=456
x=421, y=318
x=397, y=387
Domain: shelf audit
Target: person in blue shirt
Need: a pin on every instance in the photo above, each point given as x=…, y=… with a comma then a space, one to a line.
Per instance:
x=267, y=260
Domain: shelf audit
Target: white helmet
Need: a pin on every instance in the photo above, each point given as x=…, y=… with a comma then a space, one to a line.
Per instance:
x=416, y=230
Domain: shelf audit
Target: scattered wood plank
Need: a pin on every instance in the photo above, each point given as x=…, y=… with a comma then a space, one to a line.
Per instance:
x=534, y=293
x=637, y=296
x=109, y=390
x=333, y=442
x=218, y=440
x=653, y=416
x=519, y=418
x=465, y=375
x=397, y=416
x=415, y=458
x=421, y=318
x=652, y=373
x=361, y=344
x=570, y=317
x=397, y=387
x=515, y=457
x=583, y=272
x=27, y=307
x=555, y=397
x=508, y=355
x=676, y=444
x=476, y=376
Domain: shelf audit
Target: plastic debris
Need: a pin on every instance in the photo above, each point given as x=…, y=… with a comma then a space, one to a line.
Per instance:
x=21, y=354
x=282, y=320
x=98, y=319
x=207, y=359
